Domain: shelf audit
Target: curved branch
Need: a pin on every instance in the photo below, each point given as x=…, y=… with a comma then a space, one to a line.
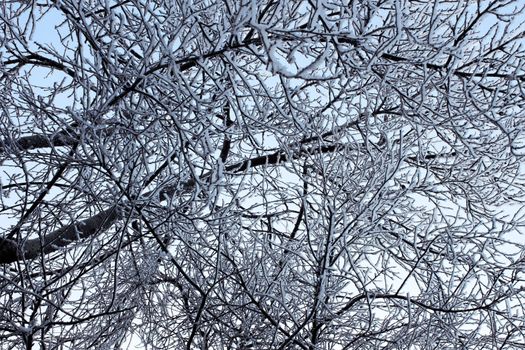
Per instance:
x=25, y=143
x=11, y=250
x=373, y=296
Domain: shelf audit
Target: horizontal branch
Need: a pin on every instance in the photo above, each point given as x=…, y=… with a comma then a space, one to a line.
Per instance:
x=374, y=296
x=11, y=250
x=25, y=143
x=280, y=157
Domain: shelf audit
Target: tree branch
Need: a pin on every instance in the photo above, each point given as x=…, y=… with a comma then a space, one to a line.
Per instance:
x=11, y=250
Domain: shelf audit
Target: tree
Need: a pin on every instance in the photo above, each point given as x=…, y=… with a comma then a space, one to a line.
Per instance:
x=262, y=174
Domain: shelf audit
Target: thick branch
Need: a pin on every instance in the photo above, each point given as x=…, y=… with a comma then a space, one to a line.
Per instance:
x=11, y=251
x=39, y=141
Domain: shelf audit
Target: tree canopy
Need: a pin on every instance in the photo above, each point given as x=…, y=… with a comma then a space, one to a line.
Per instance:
x=262, y=174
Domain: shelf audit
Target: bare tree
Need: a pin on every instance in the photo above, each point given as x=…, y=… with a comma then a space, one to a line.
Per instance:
x=260, y=174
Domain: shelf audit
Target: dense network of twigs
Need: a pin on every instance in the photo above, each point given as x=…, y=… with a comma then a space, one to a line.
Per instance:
x=262, y=174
